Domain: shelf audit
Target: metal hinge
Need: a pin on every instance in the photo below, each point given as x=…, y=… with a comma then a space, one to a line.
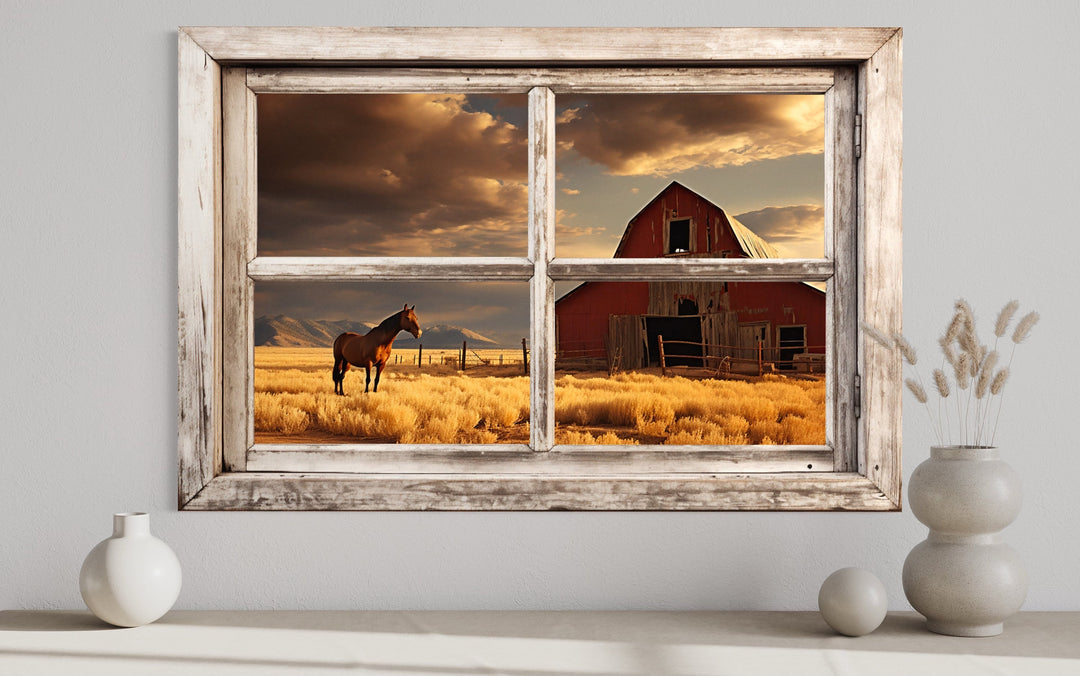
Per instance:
x=858, y=136
x=858, y=396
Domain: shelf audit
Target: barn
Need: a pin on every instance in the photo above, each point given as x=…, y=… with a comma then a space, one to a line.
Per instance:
x=741, y=326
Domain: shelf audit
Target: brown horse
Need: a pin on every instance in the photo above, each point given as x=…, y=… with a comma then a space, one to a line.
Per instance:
x=372, y=348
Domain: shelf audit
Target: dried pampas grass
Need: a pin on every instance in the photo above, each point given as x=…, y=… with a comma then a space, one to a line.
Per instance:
x=999, y=381
x=985, y=374
x=969, y=366
x=1024, y=326
x=1004, y=317
x=905, y=349
x=941, y=382
x=917, y=390
x=876, y=335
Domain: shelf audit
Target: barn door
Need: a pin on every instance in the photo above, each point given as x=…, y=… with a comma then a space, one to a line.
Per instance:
x=719, y=330
x=792, y=341
x=626, y=347
x=752, y=334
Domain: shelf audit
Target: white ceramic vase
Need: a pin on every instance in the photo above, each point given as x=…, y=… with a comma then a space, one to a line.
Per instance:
x=963, y=578
x=131, y=578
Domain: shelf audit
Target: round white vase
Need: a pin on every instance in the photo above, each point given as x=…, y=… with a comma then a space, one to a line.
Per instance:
x=963, y=578
x=131, y=578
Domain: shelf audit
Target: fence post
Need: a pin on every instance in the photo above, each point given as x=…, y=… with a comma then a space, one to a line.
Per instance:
x=420, y=357
x=463, y=355
x=663, y=365
x=525, y=356
x=760, y=370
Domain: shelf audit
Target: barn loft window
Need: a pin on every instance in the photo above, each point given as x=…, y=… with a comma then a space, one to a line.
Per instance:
x=678, y=236
x=262, y=223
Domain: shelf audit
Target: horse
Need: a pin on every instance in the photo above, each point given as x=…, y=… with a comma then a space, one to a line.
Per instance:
x=372, y=348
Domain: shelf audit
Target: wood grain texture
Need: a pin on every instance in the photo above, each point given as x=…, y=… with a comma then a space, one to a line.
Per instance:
x=700, y=269
x=519, y=459
x=337, y=269
x=808, y=80
x=490, y=45
x=240, y=206
x=842, y=297
x=541, y=251
x=881, y=258
x=268, y=268
x=198, y=268
x=667, y=492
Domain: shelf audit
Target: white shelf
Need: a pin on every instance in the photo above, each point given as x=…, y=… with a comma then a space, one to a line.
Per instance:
x=523, y=644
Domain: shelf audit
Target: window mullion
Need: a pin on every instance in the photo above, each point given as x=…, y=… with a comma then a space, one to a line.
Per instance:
x=841, y=300
x=346, y=269
x=701, y=269
x=541, y=251
x=240, y=197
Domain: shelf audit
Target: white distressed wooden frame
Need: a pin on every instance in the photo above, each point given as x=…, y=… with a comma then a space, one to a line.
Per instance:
x=221, y=70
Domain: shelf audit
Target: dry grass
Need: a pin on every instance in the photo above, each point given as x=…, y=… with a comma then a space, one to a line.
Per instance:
x=677, y=410
x=413, y=408
x=294, y=397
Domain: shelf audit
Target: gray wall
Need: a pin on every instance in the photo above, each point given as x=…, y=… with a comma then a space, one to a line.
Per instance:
x=88, y=300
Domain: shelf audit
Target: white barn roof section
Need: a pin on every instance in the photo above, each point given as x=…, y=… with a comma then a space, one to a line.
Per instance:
x=752, y=245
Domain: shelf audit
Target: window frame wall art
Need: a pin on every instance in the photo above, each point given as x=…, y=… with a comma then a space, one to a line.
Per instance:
x=857, y=73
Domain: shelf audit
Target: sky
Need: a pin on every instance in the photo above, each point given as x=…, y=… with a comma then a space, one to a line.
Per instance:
x=445, y=175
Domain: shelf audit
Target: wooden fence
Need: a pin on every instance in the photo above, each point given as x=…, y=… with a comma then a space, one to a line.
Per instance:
x=464, y=358
x=720, y=359
x=582, y=355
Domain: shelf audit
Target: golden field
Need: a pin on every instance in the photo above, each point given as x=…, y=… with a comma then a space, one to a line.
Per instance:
x=295, y=403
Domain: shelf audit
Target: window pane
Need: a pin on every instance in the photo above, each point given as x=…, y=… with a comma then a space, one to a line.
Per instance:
x=424, y=394
x=684, y=362
x=392, y=175
x=721, y=175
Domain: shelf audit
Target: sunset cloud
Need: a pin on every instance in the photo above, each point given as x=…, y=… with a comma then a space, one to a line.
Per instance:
x=402, y=174
x=657, y=135
x=796, y=231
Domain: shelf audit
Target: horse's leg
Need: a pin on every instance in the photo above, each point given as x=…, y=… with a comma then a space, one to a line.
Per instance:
x=378, y=372
x=340, y=368
x=367, y=382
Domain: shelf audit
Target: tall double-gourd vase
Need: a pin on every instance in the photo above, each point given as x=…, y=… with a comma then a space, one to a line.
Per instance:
x=131, y=578
x=963, y=578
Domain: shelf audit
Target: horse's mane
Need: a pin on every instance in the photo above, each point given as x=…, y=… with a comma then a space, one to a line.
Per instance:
x=391, y=322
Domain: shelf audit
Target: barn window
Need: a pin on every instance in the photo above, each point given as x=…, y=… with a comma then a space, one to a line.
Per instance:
x=678, y=236
x=249, y=242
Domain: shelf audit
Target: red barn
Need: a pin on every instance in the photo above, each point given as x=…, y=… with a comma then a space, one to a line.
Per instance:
x=620, y=321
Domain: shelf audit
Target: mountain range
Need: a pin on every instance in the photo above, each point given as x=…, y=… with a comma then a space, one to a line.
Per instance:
x=282, y=331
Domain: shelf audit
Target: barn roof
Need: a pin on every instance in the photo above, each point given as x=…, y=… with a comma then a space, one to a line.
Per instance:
x=750, y=242
x=752, y=245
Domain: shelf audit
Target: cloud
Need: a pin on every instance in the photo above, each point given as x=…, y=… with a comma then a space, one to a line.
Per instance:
x=401, y=174
x=571, y=191
x=657, y=135
x=797, y=231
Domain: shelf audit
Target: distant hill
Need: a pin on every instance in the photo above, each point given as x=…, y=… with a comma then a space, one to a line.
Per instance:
x=282, y=331
x=444, y=337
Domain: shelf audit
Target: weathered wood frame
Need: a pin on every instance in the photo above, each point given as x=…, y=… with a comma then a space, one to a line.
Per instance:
x=222, y=69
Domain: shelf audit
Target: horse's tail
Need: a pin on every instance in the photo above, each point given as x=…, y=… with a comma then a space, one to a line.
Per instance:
x=339, y=362
x=339, y=359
